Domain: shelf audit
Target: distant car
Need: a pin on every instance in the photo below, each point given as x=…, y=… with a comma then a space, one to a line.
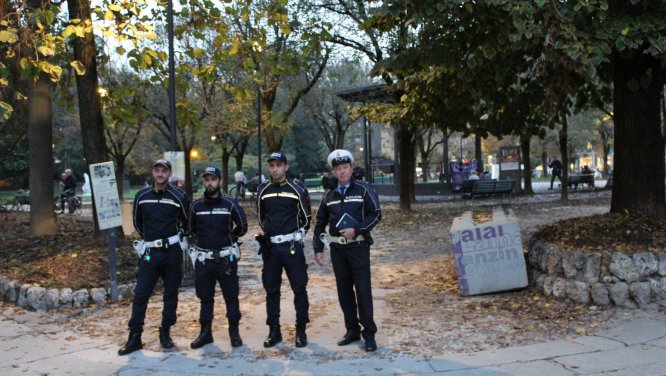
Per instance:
x=180, y=183
x=177, y=182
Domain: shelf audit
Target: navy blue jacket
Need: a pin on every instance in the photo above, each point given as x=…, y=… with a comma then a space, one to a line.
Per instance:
x=69, y=184
x=283, y=207
x=160, y=214
x=218, y=222
x=361, y=202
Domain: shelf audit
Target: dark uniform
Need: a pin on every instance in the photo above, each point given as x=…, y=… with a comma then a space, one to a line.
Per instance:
x=217, y=223
x=160, y=215
x=351, y=261
x=283, y=210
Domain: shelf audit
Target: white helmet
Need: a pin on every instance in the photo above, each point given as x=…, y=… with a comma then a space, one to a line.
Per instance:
x=340, y=156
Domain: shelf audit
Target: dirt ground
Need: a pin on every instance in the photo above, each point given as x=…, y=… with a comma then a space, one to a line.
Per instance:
x=417, y=306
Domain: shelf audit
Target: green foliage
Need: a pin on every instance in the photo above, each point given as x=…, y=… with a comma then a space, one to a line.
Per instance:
x=485, y=55
x=46, y=34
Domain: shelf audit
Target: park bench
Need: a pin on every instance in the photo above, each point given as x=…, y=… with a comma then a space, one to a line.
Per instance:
x=490, y=188
x=574, y=180
x=468, y=184
x=310, y=183
x=504, y=187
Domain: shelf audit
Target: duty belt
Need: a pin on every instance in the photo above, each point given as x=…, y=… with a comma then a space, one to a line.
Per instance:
x=296, y=236
x=209, y=254
x=343, y=240
x=164, y=243
x=203, y=254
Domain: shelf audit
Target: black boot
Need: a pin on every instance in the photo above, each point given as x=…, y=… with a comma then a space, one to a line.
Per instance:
x=165, y=337
x=352, y=335
x=205, y=336
x=301, y=337
x=234, y=335
x=370, y=345
x=274, y=336
x=133, y=344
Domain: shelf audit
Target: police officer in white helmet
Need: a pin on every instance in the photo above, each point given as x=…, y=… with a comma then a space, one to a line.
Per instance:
x=350, y=209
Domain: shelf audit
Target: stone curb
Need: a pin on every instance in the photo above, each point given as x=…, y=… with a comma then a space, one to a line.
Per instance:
x=600, y=278
x=37, y=298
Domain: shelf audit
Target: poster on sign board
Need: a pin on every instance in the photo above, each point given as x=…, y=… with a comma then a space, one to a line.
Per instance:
x=105, y=189
x=509, y=158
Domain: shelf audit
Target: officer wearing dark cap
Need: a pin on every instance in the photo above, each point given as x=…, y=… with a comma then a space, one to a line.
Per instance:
x=350, y=241
x=160, y=216
x=284, y=216
x=217, y=221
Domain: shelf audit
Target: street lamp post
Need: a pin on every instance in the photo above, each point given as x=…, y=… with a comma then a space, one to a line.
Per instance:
x=366, y=154
x=259, y=129
x=172, y=78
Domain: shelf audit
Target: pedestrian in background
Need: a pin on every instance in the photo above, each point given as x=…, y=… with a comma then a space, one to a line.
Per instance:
x=556, y=167
x=68, y=183
x=239, y=177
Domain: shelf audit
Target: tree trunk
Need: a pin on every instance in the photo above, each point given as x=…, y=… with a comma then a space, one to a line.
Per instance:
x=605, y=151
x=445, y=158
x=40, y=147
x=423, y=154
x=240, y=151
x=40, y=131
x=226, y=155
x=120, y=177
x=90, y=107
x=188, y=173
x=527, y=171
x=638, y=82
x=564, y=152
x=274, y=136
x=412, y=168
x=406, y=155
x=478, y=153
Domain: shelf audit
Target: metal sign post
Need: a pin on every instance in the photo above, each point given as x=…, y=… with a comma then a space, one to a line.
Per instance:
x=111, y=241
x=109, y=216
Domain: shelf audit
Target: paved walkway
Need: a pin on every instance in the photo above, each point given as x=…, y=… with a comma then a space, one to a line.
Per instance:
x=31, y=346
